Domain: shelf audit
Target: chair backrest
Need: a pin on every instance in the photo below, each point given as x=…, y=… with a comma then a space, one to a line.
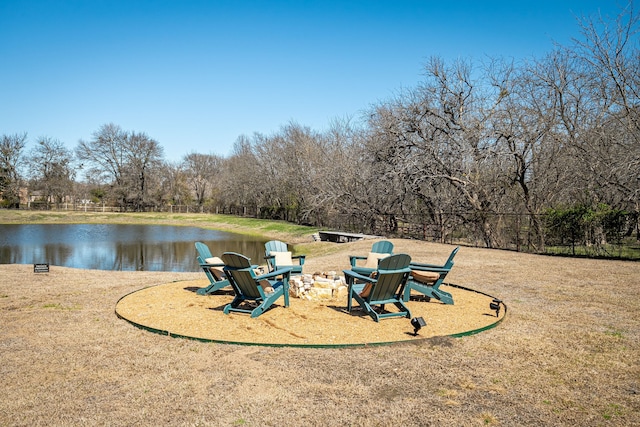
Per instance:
x=275, y=246
x=240, y=272
x=203, y=252
x=213, y=274
x=392, y=274
x=382, y=247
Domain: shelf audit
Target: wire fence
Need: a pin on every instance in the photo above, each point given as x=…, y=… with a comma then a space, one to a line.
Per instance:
x=619, y=239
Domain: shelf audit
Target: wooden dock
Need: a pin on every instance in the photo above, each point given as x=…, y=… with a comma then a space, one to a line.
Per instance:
x=341, y=237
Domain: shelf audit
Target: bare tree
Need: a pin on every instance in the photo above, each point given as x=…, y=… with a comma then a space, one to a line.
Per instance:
x=11, y=161
x=125, y=160
x=610, y=54
x=143, y=155
x=52, y=172
x=440, y=133
x=242, y=182
x=172, y=185
x=290, y=162
x=105, y=154
x=524, y=121
x=201, y=171
x=337, y=167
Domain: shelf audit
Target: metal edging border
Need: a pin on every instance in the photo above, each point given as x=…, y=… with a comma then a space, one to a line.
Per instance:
x=331, y=346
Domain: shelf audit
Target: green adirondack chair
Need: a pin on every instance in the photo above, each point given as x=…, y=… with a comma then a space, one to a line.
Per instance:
x=213, y=269
x=379, y=250
x=386, y=287
x=278, y=256
x=263, y=289
x=427, y=278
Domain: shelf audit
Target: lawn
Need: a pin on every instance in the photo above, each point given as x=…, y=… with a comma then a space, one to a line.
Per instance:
x=566, y=354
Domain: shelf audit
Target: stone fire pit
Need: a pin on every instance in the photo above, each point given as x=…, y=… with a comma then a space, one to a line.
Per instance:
x=318, y=286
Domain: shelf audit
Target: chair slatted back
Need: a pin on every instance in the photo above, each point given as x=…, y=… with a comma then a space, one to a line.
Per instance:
x=382, y=247
x=240, y=272
x=274, y=246
x=393, y=272
x=203, y=252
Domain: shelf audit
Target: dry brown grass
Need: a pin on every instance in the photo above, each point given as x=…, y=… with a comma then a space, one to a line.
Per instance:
x=567, y=354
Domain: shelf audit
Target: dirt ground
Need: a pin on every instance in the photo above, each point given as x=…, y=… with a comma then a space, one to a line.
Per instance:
x=566, y=354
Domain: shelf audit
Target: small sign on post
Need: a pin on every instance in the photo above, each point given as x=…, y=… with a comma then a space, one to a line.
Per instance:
x=41, y=268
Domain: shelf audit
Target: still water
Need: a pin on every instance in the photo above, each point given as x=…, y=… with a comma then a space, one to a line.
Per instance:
x=118, y=247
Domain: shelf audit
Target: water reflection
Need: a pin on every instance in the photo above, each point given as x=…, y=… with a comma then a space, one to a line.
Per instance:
x=118, y=247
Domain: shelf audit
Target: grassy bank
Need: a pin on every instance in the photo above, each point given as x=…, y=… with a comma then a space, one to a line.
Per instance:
x=266, y=228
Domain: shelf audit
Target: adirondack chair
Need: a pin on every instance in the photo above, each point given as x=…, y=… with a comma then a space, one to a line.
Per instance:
x=427, y=278
x=264, y=290
x=385, y=287
x=278, y=256
x=213, y=268
x=379, y=250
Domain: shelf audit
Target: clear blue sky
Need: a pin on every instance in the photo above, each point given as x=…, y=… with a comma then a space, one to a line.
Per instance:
x=195, y=75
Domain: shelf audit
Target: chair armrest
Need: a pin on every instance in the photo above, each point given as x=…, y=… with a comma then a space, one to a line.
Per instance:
x=431, y=269
x=353, y=259
x=278, y=272
x=300, y=258
x=422, y=265
x=353, y=274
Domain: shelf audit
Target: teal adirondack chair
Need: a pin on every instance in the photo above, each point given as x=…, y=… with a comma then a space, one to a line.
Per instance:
x=378, y=250
x=263, y=290
x=213, y=269
x=386, y=287
x=278, y=256
x=427, y=278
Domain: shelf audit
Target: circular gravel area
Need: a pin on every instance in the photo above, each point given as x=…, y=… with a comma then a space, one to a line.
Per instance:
x=175, y=309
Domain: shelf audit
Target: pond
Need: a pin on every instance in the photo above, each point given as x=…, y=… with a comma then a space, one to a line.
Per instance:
x=119, y=247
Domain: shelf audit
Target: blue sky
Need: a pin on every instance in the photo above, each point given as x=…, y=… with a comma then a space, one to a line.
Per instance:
x=195, y=75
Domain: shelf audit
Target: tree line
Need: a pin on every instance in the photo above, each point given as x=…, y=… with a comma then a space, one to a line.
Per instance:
x=474, y=145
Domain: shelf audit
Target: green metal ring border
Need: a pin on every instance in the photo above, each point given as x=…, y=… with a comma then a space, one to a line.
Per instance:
x=355, y=345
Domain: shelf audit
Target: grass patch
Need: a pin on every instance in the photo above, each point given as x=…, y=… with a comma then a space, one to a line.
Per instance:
x=248, y=226
x=616, y=333
x=611, y=411
x=622, y=251
x=449, y=394
x=58, y=306
x=489, y=419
